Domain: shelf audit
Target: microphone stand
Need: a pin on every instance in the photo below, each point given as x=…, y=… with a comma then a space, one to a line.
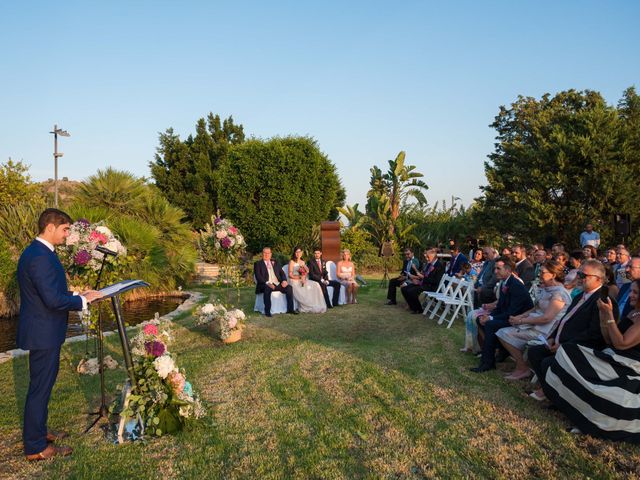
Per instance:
x=102, y=411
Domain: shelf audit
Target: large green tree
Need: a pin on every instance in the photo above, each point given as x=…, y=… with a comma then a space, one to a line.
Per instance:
x=187, y=172
x=276, y=190
x=559, y=163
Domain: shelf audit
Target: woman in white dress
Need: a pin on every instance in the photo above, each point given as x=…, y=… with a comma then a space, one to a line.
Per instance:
x=307, y=293
x=346, y=272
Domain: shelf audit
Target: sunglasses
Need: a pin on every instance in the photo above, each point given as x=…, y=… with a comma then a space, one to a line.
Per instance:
x=585, y=275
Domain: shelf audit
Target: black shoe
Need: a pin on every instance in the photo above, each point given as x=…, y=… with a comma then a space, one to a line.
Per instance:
x=295, y=312
x=329, y=306
x=484, y=367
x=268, y=314
x=390, y=302
x=502, y=356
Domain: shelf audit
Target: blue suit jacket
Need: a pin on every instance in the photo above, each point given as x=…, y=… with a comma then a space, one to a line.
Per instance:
x=44, y=299
x=514, y=300
x=454, y=267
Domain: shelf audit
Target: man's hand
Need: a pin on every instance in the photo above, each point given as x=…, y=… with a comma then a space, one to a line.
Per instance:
x=284, y=284
x=483, y=319
x=271, y=286
x=402, y=278
x=92, y=295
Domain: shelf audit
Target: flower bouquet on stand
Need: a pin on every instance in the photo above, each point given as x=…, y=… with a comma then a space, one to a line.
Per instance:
x=163, y=401
x=226, y=325
x=222, y=243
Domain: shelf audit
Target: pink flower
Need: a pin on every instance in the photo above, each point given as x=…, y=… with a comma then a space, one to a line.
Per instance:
x=225, y=242
x=97, y=236
x=233, y=230
x=150, y=329
x=154, y=348
x=220, y=234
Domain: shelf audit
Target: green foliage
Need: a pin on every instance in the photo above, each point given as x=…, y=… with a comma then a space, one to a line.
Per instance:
x=559, y=163
x=15, y=183
x=19, y=223
x=436, y=225
x=187, y=172
x=275, y=191
x=160, y=244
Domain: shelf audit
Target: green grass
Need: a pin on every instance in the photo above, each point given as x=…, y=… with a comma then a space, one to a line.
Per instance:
x=363, y=391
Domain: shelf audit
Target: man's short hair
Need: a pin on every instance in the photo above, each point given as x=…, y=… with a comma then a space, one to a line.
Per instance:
x=597, y=266
x=52, y=216
x=507, y=262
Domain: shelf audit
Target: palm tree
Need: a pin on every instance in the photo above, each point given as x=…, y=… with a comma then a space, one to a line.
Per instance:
x=352, y=215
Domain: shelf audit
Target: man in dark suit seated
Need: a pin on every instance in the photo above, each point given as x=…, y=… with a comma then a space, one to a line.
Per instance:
x=426, y=280
x=318, y=273
x=633, y=272
x=581, y=323
x=524, y=268
x=270, y=278
x=410, y=265
x=487, y=280
x=514, y=299
x=45, y=303
x=457, y=260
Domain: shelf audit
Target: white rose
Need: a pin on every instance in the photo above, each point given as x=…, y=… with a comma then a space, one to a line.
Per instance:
x=104, y=230
x=164, y=365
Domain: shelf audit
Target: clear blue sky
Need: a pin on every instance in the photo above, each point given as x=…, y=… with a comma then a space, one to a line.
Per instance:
x=365, y=79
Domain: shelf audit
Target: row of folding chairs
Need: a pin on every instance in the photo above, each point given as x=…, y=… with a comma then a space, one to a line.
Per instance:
x=453, y=296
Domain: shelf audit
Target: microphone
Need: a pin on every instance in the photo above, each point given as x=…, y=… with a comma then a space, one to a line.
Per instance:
x=106, y=251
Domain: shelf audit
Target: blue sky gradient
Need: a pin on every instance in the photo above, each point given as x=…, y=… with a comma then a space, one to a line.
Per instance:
x=365, y=79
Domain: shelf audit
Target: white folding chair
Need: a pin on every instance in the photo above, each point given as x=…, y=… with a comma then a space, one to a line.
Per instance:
x=463, y=300
x=430, y=297
x=332, y=275
x=455, y=284
x=278, y=302
x=450, y=284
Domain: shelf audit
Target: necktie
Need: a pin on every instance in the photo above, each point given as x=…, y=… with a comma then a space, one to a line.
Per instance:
x=568, y=316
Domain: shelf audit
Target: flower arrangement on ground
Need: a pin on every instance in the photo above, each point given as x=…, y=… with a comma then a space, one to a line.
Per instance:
x=226, y=324
x=163, y=399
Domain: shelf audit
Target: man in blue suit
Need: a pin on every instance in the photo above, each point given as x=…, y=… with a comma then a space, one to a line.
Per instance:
x=44, y=306
x=514, y=300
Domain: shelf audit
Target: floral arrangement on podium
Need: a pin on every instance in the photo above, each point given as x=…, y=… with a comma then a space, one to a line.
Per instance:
x=163, y=400
x=224, y=324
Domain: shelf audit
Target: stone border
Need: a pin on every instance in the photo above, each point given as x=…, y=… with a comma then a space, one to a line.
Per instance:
x=189, y=303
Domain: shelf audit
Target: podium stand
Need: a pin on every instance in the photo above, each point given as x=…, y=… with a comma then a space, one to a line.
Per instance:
x=113, y=292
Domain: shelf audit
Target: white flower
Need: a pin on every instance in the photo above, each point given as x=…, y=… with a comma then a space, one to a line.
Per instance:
x=73, y=238
x=104, y=230
x=220, y=234
x=240, y=240
x=207, y=308
x=164, y=365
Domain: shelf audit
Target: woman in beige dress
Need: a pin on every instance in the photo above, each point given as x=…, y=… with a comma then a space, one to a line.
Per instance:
x=346, y=273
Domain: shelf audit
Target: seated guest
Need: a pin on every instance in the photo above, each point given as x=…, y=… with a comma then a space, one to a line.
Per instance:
x=570, y=279
x=622, y=259
x=457, y=259
x=581, y=323
x=551, y=303
x=477, y=262
x=557, y=249
x=633, y=273
x=589, y=252
x=506, y=252
x=524, y=268
x=539, y=257
x=610, y=258
x=598, y=389
x=487, y=280
x=514, y=299
x=465, y=272
x=610, y=282
x=318, y=273
x=346, y=273
x=471, y=343
x=307, y=293
x=409, y=266
x=426, y=279
x=270, y=278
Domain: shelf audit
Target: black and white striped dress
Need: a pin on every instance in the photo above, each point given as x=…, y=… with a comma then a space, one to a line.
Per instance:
x=598, y=390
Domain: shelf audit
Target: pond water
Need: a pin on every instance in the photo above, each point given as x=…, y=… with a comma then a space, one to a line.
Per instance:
x=134, y=312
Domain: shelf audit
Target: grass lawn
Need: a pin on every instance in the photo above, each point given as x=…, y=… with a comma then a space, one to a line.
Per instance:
x=363, y=391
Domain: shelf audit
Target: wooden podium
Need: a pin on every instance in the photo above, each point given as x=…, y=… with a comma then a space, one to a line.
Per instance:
x=330, y=241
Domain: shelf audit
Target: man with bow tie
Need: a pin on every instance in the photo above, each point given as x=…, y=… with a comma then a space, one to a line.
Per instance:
x=318, y=273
